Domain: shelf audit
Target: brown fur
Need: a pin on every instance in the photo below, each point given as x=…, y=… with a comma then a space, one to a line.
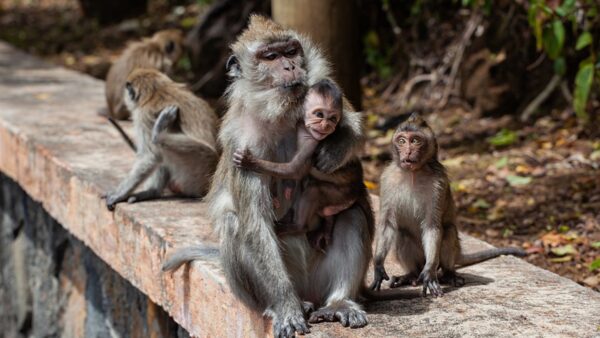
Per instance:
x=152, y=53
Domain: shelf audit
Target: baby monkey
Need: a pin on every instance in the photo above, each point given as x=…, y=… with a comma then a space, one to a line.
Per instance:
x=324, y=195
x=417, y=213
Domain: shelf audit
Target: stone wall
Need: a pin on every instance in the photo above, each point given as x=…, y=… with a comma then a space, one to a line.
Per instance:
x=52, y=285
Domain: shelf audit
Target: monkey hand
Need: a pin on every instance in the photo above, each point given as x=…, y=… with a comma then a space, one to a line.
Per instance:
x=430, y=282
x=379, y=275
x=165, y=119
x=244, y=159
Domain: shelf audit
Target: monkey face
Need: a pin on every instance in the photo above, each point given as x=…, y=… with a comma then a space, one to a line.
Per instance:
x=412, y=149
x=320, y=115
x=171, y=41
x=281, y=65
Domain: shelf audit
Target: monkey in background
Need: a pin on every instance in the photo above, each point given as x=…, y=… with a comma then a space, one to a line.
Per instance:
x=418, y=215
x=323, y=194
x=176, y=139
x=160, y=52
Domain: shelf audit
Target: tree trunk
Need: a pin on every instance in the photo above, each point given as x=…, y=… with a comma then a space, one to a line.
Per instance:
x=333, y=24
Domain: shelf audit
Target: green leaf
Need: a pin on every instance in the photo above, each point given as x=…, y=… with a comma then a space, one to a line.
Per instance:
x=583, y=84
x=596, y=245
x=554, y=39
x=503, y=138
x=481, y=204
x=564, y=250
x=567, y=7
x=502, y=162
x=563, y=228
x=516, y=180
x=584, y=40
x=560, y=66
x=595, y=264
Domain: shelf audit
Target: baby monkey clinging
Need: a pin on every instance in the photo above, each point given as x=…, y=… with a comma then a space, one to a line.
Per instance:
x=418, y=214
x=324, y=195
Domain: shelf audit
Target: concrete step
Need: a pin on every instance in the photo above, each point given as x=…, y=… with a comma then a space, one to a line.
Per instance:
x=53, y=143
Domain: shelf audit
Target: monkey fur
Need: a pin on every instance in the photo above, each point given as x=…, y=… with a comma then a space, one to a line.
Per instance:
x=418, y=214
x=160, y=52
x=175, y=136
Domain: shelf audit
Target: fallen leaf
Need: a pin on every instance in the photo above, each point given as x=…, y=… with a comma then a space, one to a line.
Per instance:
x=481, y=204
x=592, y=281
x=595, y=264
x=501, y=163
x=503, y=138
x=564, y=250
x=595, y=245
x=516, y=180
x=561, y=259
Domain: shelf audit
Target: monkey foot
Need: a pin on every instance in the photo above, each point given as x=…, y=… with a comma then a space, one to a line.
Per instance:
x=308, y=308
x=404, y=280
x=431, y=284
x=347, y=316
x=289, y=326
x=452, y=278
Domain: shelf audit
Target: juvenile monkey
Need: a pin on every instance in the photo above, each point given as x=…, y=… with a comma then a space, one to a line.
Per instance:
x=418, y=214
x=160, y=52
x=175, y=136
x=323, y=194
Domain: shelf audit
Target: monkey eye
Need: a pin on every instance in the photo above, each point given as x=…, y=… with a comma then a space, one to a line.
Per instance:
x=270, y=56
x=319, y=114
x=415, y=141
x=291, y=52
x=401, y=140
x=333, y=119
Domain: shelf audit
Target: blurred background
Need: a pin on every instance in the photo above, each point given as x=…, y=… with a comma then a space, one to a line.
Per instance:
x=510, y=87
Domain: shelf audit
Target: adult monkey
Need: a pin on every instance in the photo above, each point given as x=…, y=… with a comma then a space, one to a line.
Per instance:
x=271, y=69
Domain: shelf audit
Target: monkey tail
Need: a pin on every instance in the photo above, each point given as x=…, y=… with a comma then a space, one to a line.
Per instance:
x=123, y=133
x=188, y=254
x=481, y=256
x=388, y=294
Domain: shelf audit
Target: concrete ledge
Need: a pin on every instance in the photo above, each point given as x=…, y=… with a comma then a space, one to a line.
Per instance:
x=63, y=155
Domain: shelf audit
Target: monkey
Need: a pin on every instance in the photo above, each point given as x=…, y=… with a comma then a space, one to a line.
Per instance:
x=175, y=136
x=160, y=52
x=418, y=215
x=325, y=194
x=271, y=69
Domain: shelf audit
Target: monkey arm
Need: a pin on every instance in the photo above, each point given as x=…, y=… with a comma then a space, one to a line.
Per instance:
x=386, y=235
x=143, y=167
x=432, y=243
x=297, y=168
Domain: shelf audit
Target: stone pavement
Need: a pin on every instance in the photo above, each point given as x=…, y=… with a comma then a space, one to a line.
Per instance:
x=56, y=147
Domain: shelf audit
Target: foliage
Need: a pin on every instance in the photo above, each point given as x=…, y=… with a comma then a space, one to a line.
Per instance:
x=566, y=28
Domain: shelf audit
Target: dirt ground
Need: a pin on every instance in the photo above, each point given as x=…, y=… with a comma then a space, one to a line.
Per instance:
x=535, y=185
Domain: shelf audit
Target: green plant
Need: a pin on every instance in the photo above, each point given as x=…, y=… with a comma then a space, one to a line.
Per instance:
x=548, y=21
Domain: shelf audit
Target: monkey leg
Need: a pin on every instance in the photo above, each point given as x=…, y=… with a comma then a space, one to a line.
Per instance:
x=153, y=188
x=257, y=275
x=338, y=275
x=432, y=242
x=143, y=167
x=307, y=206
x=450, y=252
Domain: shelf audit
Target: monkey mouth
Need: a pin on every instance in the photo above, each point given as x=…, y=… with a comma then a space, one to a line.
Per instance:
x=292, y=85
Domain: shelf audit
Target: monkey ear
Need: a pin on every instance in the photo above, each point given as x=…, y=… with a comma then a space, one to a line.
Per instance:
x=170, y=47
x=233, y=67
